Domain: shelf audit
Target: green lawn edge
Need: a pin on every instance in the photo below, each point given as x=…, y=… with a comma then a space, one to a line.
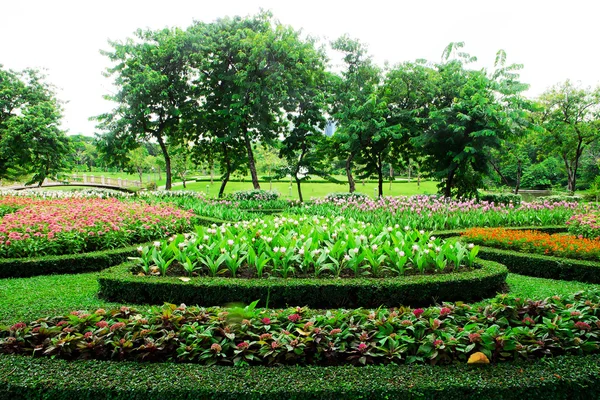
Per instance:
x=564, y=377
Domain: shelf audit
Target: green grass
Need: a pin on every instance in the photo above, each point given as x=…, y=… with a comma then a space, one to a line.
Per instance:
x=26, y=299
x=316, y=189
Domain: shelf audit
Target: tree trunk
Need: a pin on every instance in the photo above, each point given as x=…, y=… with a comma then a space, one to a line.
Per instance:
x=351, y=182
x=299, y=190
x=391, y=176
x=251, y=163
x=212, y=172
x=449, y=183
x=519, y=172
x=379, y=177
x=183, y=180
x=167, y=158
x=497, y=169
x=159, y=175
x=227, y=170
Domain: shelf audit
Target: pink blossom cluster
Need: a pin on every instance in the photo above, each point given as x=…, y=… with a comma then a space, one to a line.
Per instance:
x=48, y=219
x=428, y=205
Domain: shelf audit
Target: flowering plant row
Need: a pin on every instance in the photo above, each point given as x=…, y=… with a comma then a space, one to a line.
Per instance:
x=507, y=328
x=39, y=226
x=315, y=247
x=585, y=225
x=435, y=213
x=558, y=245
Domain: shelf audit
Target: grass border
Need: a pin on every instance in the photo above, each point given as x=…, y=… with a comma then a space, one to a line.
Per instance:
x=118, y=284
x=564, y=377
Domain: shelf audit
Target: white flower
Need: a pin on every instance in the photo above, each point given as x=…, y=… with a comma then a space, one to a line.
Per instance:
x=140, y=249
x=429, y=245
x=171, y=238
x=438, y=249
x=396, y=226
x=415, y=247
x=233, y=256
x=269, y=239
x=421, y=231
x=426, y=251
x=374, y=247
x=283, y=249
x=397, y=250
x=471, y=245
x=407, y=228
x=354, y=230
x=346, y=257
x=230, y=242
x=327, y=251
x=206, y=238
x=301, y=251
x=401, y=254
x=302, y=237
x=275, y=249
x=390, y=229
x=181, y=245
x=157, y=244
x=334, y=235
x=432, y=238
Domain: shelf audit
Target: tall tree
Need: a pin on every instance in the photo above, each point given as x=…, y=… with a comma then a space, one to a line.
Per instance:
x=151, y=73
x=31, y=141
x=246, y=68
x=571, y=118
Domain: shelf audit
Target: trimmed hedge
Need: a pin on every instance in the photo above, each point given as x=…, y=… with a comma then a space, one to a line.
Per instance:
x=75, y=263
x=119, y=284
x=566, y=377
x=542, y=266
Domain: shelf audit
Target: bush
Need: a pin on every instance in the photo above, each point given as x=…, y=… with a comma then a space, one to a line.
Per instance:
x=502, y=198
x=564, y=377
x=558, y=198
x=119, y=284
x=356, y=196
x=255, y=194
x=544, y=266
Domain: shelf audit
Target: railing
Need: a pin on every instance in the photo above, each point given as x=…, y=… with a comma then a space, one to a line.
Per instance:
x=102, y=180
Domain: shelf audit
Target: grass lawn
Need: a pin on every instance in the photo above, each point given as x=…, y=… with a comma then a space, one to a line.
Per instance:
x=317, y=189
x=26, y=299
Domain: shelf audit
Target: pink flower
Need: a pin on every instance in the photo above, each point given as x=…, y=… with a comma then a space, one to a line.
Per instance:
x=18, y=326
x=116, y=325
x=583, y=326
x=243, y=345
x=335, y=331
x=294, y=317
x=362, y=347
x=266, y=321
x=101, y=324
x=88, y=335
x=216, y=347
x=445, y=311
x=438, y=342
x=474, y=337
x=417, y=312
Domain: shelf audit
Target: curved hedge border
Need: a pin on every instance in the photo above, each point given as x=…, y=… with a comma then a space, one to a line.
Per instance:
x=118, y=284
x=74, y=263
x=566, y=377
x=542, y=266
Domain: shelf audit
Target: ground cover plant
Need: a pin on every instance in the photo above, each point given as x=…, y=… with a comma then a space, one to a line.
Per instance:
x=530, y=241
x=507, y=328
x=37, y=226
x=435, y=213
x=304, y=247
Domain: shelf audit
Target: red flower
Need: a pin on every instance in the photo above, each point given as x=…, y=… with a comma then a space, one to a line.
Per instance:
x=243, y=345
x=216, y=347
x=335, y=331
x=88, y=335
x=294, y=318
x=101, y=324
x=417, y=313
x=18, y=325
x=116, y=325
x=474, y=337
x=445, y=311
x=438, y=342
x=266, y=321
x=362, y=347
x=583, y=326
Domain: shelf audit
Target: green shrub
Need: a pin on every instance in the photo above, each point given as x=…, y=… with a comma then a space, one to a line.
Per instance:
x=255, y=194
x=119, y=284
x=502, y=198
x=564, y=377
x=558, y=198
x=542, y=266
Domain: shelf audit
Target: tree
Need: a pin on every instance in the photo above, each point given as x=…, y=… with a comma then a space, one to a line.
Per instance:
x=152, y=76
x=571, y=118
x=31, y=141
x=471, y=114
x=182, y=162
x=138, y=162
x=357, y=108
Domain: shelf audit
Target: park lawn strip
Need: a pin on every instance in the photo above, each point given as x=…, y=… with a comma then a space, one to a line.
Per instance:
x=565, y=377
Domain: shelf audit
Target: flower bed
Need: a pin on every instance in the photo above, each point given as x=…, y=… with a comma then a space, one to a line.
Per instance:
x=530, y=241
x=305, y=247
x=585, y=225
x=506, y=329
x=73, y=225
x=120, y=284
x=434, y=213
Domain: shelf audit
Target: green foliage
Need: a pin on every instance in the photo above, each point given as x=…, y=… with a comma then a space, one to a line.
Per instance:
x=257, y=195
x=119, y=284
x=585, y=225
x=346, y=196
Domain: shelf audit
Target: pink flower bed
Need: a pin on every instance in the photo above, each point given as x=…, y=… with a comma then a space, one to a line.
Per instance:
x=72, y=225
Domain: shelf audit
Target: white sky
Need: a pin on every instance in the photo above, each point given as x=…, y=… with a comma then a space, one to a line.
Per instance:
x=555, y=40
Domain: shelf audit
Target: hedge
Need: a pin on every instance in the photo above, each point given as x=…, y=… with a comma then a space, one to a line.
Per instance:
x=74, y=263
x=542, y=266
x=565, y=377
x=119, y=284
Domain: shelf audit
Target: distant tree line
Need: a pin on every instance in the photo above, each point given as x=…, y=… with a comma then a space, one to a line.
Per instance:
x=222, y=93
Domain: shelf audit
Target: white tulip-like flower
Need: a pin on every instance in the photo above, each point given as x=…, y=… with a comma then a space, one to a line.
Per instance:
x=426, y=251
x=471, y=245
x=301, y=251
x=140, y=249
x=407, y=228
x=346, y=257
x=374, y=247
x=206, y=238
x=230, y=242
x=432, y=238
x=415, y=247
x=275, y=249
x=421, y=231
x=401, y=254
x=389, y=229
x=438, y=249
x=157, y=244
x=283, y=249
